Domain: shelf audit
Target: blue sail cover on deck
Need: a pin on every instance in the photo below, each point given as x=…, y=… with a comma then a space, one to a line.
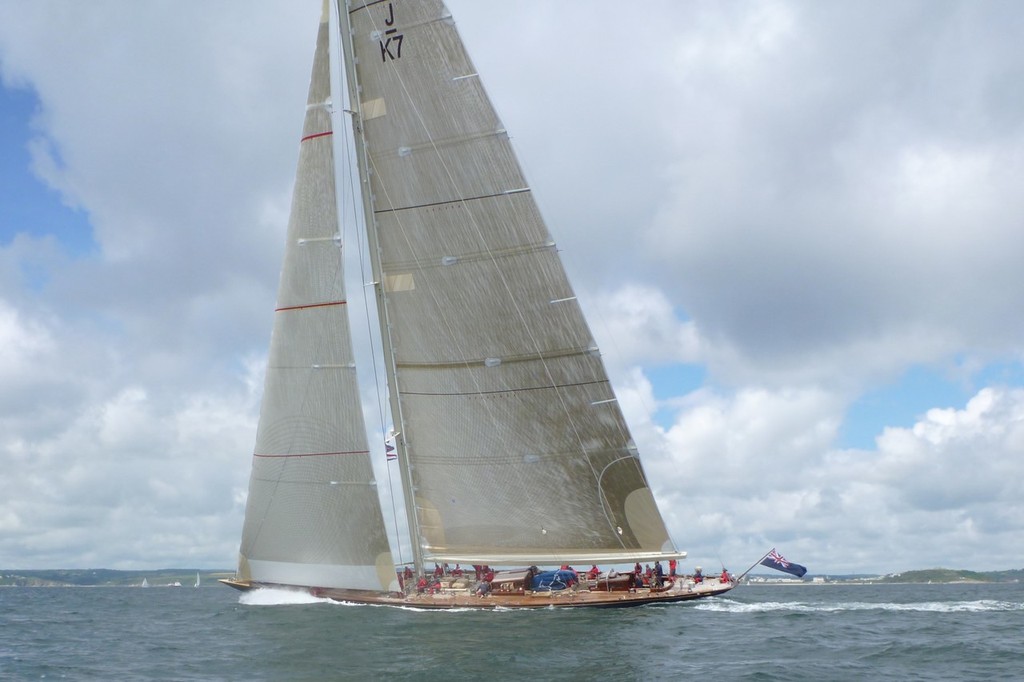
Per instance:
x=553, y=580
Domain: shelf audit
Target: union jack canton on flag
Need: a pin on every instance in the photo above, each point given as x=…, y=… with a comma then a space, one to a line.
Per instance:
x=780, y=563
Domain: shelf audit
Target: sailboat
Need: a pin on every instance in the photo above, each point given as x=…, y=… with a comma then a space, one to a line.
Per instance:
x=197, y=579
x=513, y=455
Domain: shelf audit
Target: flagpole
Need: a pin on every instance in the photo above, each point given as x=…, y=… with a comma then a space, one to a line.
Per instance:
x=744, y=573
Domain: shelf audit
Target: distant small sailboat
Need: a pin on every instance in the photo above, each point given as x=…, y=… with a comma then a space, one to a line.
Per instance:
x=197, y=579
x=145, y=583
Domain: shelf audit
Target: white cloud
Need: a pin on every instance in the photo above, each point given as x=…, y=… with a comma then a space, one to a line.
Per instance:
x=24, y=343
x=756, y=469
x=822, y=206
x=636, y=323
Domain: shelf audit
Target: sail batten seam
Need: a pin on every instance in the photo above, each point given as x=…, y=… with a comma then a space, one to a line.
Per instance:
x=476, y=362
x=437, y=145
x=316, y=135
x=456, y=201
x=517, y=389
x=306, y=306
x=480, y=256
x=309, y=454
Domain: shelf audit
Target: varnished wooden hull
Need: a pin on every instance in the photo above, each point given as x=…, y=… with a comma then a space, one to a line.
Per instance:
x=458, y=599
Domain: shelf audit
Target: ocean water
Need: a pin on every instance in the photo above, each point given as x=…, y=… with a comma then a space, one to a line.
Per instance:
x=813, y=632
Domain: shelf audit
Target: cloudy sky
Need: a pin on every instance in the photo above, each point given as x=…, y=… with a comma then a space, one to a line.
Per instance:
x=797, y=227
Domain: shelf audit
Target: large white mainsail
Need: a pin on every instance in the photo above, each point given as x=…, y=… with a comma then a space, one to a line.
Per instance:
x=513, y=446
x=312, y=515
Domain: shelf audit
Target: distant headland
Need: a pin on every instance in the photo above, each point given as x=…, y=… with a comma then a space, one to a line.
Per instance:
x=106, y=577
x=930, y=575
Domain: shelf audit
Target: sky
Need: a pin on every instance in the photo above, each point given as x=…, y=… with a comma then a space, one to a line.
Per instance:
x=796, y=227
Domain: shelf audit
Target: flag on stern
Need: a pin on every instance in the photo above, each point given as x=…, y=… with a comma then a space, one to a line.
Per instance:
x=775, y=560
x=389, y=449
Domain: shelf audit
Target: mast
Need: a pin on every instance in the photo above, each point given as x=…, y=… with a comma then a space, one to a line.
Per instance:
x=370, y=221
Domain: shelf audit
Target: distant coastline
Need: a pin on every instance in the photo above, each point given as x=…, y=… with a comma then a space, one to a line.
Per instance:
x=185, y=577
x=107, y=577
x=920, y=577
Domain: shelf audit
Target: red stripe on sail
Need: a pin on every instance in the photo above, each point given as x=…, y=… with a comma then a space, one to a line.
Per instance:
x=309, y=305
x=317, y=454
x=315, y=135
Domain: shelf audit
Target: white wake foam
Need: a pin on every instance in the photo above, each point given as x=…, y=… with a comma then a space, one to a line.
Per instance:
x=981, y=605
x=276, y=596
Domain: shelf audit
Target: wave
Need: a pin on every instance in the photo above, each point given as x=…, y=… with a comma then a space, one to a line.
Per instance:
x=279, y=596
x=980, y=606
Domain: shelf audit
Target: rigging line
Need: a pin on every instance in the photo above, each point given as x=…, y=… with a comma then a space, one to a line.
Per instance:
x=348, y=155
x=519, y=312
